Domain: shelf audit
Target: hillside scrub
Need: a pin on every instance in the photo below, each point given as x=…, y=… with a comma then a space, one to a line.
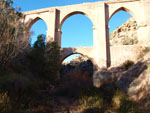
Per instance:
x=27, y=77
x=24, y=71
x=44, y=59
x=12, y=32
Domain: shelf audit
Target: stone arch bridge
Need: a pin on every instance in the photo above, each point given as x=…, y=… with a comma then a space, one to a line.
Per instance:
x=99, y=13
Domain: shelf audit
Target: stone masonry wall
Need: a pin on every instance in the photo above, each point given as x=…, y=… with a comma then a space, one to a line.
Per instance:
x=121, y=53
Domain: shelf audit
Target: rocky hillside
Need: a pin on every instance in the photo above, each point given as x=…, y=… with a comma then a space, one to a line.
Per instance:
x=125, y=34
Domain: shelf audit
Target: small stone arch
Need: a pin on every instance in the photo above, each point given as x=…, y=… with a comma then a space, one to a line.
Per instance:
x=71, y=14
x=69, y=54
x=123, y=9
x=85, y=51
x=64, y=57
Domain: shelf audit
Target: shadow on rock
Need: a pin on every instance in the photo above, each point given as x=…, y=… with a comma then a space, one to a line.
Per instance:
x=130, y=75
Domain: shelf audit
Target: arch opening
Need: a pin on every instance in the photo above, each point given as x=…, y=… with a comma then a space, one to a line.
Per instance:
x=123, y=28
x=69, y=15
x=36, y=28
x=74, y=57
x=122, y=9
x=77, y=30
x=76, y=62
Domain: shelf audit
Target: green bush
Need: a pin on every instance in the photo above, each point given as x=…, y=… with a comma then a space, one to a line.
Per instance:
x=91, y=101
x=20, y=90
x=128, y=106
x=122, y=104
x=128, y=41
x=117, y=99
x=44, y=59
x=5, y=106
x=52, y=59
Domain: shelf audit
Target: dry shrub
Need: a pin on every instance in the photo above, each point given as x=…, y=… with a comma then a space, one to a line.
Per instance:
x=128, y=41
x=127, y=64
x=13, y=33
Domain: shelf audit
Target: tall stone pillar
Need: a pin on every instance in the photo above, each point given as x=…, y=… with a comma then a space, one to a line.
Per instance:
x=57, y=30
x=100, y=46
x=144, y=27
x=108, y=53
x=53, y=26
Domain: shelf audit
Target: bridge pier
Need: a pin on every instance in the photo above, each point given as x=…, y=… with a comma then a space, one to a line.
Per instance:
x=53, y=33
x=51, y=25
x=101, y=38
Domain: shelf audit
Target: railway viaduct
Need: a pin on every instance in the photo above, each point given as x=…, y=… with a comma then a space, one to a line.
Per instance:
x=99, y=13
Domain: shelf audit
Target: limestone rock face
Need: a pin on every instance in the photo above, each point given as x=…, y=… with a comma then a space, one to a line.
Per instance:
x=125, y=34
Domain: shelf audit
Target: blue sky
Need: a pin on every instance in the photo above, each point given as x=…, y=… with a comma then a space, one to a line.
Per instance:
x=77, y=29
x=27, y=5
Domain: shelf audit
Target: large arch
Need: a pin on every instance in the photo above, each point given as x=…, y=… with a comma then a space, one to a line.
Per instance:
x=34, y=26
x=70, y=55
x=68, y=18
x=32, y=21
x=123, y=9
x=71, y=14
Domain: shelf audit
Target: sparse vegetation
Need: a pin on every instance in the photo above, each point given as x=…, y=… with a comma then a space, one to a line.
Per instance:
x=118, y=98
x=128, y=41
x=24, y=87
x=12, y=32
